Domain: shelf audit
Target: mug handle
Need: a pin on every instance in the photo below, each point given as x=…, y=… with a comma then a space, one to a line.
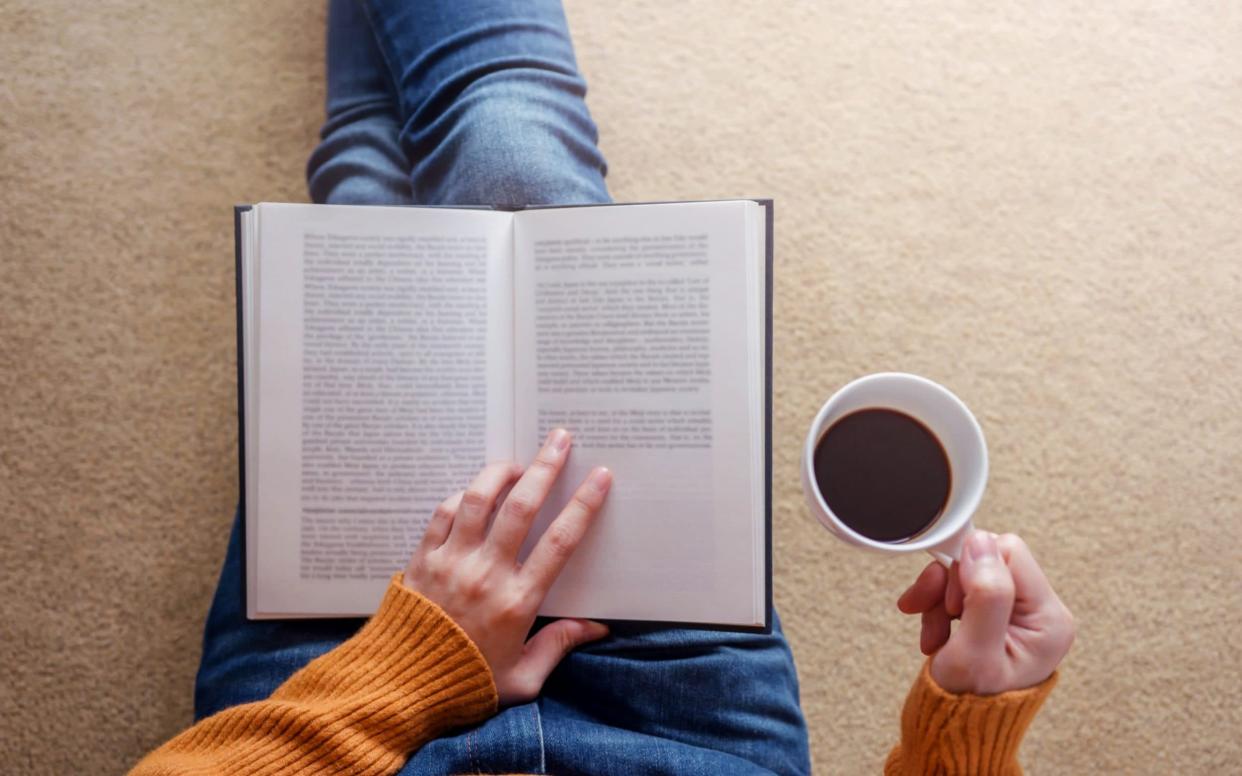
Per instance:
x=950, y=549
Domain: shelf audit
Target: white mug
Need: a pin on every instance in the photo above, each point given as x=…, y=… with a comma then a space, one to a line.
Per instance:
x=945, y=416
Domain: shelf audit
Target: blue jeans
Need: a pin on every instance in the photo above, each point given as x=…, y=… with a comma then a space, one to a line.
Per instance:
x=480, y=102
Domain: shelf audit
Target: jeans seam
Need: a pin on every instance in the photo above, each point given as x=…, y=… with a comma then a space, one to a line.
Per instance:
x=543, y=763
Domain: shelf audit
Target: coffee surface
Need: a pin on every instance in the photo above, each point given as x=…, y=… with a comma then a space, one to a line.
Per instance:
x=883, y=473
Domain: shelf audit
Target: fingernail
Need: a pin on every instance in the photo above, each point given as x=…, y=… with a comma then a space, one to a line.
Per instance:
x=559, y=439
x=982, y=547
x=601, y=479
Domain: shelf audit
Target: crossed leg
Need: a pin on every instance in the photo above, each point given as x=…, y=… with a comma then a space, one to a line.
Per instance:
x=479, y=102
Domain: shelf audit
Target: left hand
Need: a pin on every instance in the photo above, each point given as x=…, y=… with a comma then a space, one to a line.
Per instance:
x=1014, y=629
x=468, y=565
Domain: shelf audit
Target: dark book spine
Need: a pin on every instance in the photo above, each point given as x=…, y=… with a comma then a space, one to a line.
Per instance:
x=769, y=222
x=238, y=210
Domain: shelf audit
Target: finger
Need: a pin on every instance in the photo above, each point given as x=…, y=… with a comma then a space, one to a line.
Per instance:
x=547, y=648
x=478, y=501
x=926, y=592
x=988, y=595
x=558, y=543
x=441, y=521
x=524, y=501
x=1031, y=586
x=936, y=629
x=953, y=591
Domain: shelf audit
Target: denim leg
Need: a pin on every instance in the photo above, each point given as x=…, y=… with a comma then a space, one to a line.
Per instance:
x=491, y=102
x=676, y=700
x=359, y=160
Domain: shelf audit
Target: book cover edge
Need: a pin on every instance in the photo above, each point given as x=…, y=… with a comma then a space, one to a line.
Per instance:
x=241, y=403
x=769, y=242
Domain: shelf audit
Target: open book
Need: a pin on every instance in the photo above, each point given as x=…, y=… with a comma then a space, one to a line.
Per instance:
x=386, y=353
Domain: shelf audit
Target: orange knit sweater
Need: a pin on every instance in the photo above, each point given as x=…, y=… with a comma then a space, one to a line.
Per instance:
x=410, y=674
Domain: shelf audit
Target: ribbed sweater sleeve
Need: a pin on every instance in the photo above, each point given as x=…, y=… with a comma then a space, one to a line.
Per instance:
x=409, y=675
x=944, y=734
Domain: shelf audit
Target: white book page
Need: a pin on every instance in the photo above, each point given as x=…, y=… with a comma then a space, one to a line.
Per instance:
x=385, y=376
x=639, y=328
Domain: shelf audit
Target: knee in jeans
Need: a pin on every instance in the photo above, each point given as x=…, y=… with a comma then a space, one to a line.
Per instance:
x=359, y=162
x=511, y=152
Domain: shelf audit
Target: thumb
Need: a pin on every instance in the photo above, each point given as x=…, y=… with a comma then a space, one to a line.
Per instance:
x=550, y=645
x=988, y=595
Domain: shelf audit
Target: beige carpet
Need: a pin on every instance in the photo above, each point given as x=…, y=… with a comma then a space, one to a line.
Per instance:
x=1036, y=204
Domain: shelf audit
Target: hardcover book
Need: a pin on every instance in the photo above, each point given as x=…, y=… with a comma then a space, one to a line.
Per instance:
x=386, y=353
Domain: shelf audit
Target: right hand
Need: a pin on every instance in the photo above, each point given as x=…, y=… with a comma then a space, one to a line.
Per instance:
x=1014, y=629
x=473, y=573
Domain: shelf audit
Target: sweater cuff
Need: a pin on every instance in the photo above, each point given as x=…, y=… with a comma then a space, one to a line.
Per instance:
x=943, y=732
x=410, y=673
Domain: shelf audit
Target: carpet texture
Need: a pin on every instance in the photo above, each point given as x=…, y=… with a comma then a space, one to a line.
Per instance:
x=1037, y=205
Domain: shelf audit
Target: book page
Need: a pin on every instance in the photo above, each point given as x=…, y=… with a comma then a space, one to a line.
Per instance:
x=384, y=384
x=639, y=329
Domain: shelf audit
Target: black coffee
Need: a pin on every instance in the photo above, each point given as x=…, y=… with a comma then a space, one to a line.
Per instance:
x=883, y=473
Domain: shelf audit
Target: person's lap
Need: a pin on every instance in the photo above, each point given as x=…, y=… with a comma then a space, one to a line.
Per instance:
x=644, y=700
x=516, y=131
